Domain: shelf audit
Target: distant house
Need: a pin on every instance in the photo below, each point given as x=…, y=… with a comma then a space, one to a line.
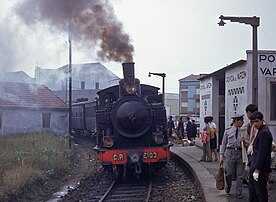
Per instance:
x=189, y=92
x=26, y=108
x=85, y=77
x=17, y=77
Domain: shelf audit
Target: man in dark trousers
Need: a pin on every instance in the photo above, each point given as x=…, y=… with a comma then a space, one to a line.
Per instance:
x=171, y=127
x=260, y=160
x=193, y=130
x=189, y=128
x=180, y=128
x=251, y=133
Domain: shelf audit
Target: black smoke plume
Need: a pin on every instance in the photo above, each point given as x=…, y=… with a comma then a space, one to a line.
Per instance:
x=91, y=21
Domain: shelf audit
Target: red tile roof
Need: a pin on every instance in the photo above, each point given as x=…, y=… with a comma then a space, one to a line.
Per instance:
x=28, y=95
x=191, y=77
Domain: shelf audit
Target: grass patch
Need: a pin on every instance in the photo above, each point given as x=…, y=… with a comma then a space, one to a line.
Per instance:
x=29, y=157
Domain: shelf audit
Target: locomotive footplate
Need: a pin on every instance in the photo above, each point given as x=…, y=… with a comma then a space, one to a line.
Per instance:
x=146, y=155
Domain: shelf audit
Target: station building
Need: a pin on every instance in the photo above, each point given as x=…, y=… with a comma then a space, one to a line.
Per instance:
x=228, y=91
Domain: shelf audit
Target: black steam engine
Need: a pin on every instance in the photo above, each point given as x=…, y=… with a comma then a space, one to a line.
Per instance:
x=131, y=126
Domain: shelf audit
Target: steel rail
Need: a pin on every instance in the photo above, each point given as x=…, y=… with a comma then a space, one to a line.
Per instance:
x=108, y=191
x=149, y=191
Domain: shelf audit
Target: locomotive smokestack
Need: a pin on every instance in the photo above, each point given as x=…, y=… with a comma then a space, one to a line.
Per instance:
x=128, y=71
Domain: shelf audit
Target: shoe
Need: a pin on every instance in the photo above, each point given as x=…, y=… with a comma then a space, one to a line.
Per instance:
x=239, y=196
x=227, y=191
x=244, y=181
x=201, y=160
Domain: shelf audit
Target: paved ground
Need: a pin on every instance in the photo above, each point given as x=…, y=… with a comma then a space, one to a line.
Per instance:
x=206, y=171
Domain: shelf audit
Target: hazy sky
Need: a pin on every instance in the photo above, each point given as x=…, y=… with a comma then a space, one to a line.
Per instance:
x=177, y=37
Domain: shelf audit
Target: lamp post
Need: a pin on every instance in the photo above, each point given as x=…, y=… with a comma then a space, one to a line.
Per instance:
x=254, y=22
x=163, y=75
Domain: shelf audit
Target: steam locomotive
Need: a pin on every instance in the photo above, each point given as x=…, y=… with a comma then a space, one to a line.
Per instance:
x=131, y=127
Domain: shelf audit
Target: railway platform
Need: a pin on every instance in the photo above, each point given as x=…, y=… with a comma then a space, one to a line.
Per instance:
x=205, y=173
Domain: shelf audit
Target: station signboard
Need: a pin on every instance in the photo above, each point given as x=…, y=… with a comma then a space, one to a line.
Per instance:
x=236, y=92
x=205, y=99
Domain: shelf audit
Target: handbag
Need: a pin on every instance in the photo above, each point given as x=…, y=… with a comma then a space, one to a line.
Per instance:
x=220, y=178
x=212, y=133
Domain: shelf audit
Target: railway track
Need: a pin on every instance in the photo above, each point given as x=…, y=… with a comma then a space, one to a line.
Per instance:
x=173, y=183
x=130, y=191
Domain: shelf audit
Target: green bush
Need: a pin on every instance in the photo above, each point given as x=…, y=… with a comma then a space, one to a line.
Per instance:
x=24, y=156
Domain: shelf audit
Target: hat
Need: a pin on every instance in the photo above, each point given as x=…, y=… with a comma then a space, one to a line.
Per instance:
x=237, y=116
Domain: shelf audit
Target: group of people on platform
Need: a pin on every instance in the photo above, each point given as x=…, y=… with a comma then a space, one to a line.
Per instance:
x=247, y=153
x=182, y=129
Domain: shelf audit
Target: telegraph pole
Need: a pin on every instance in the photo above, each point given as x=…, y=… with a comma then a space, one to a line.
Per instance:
x=70, y=83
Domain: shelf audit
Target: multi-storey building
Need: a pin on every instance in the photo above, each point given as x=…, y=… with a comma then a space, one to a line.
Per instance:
x=189, y=94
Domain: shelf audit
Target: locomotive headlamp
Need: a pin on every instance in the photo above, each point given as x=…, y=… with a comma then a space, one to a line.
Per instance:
x=130, y=88
x=108, y=141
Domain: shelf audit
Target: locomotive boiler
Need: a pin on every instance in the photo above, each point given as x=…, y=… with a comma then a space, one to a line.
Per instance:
x=131, y=126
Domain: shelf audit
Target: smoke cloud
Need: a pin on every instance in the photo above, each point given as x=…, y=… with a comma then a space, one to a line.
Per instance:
x=91, y=22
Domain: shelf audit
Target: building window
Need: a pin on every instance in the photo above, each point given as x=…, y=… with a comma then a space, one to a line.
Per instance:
x=273, y=101
x=46, y=120
x=1, y=120
x=82, y=85
x=184, y=104
x=184, y=95
x=197, y=104
x=64, y=85
x=97, y=85
x=53, y=79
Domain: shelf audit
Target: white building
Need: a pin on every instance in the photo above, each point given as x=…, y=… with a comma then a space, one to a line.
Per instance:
x=228, y=91
x=28, y=108
x=172, y=104
x=85, y=77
